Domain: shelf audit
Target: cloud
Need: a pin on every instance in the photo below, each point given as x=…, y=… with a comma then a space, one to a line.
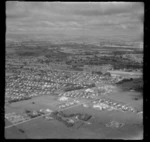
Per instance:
x=108, y=8
x=79, y=18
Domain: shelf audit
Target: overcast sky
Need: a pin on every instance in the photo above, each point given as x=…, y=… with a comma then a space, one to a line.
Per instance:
x=83, y=20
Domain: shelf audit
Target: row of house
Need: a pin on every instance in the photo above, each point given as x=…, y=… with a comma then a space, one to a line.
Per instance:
x=109, y=104
x=30, y=82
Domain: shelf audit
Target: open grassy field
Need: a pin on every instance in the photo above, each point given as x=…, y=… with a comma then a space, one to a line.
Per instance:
x=41, y=128
x=127, y=97
x=39, y=102
x=133, y=125
x=14, y=133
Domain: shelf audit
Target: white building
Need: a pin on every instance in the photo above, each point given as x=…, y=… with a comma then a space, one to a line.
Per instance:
x=63, y=98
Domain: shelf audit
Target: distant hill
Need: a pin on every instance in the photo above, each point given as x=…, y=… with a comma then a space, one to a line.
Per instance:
x=28, y=43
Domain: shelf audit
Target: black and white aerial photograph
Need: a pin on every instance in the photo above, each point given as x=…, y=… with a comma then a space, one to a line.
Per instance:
x=74, y=70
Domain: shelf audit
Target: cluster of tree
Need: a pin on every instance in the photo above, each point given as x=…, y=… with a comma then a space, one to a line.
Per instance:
x=124, y=80
x=81, y=116
x=84, y=117
x=107, y=74
x=71, y=87
x=60, y=115
x=116, y=61
x=22, y=131
x=97, y=72
x=139, y=88
x=134, y=84
x=62, y=119
x=66, y=115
